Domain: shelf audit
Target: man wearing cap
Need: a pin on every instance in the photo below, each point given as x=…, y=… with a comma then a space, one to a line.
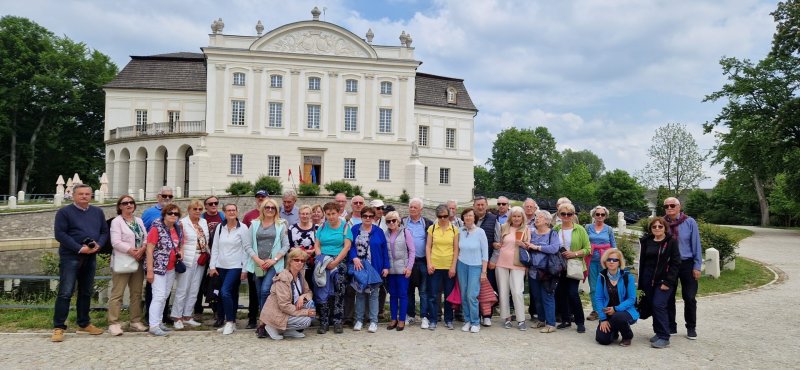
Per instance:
x=379, y=221
x=288, y=211
x=252, y=307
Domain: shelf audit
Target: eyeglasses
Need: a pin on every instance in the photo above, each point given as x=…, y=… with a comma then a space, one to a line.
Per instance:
x=391, y=221
x=165, y=196
x=297, y=260
x=657, y=226
x=600, y=214
x=127, y=203
x=443, y=216
x=197, y=209
x=173, y=213
x=269, y=208
x=566, y=214
x=230, y=210
x=502, y=204
x=367, y=216
x=359, y=203
x=612, y=259
x=671, y=205
x=212, y=204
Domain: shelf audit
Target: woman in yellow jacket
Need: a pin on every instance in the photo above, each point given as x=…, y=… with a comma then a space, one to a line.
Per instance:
x=575, y=242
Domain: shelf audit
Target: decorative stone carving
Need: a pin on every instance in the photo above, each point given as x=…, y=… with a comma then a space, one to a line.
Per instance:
x=217, y=26
x=370, y=36
x=414, y=149
x=403, y=38
x=220, y=67
x=408, y=40
x=259, y=27
x=333, y=74
x=258, y=69
x=318, y=42
x=369, y=76
x=315, y=13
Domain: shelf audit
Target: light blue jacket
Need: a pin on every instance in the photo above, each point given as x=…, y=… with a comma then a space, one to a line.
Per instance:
x=280, y=228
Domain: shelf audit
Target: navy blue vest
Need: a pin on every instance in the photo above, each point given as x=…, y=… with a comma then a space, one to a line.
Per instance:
x=488, y=225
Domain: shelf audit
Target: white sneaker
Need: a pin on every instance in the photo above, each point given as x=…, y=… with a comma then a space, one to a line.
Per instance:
x=424, y=324
x=475, y=329
x=178, y=325
x=357, y=326
x=373, y=327
x=410, y=320
x=487, y=321
x=192, y=322
x=466, y=327
x=228, y=328
x=273, y=332
x=291, y=333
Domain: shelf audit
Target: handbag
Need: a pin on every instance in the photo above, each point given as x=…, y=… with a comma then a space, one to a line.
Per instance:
x=525, y=257
x=575, y=269
x=180, y=267
x=455, y=295
x=203, y=258
x=124, y=264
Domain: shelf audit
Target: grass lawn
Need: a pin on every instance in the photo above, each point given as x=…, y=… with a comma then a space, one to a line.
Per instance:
x=748, y=274
x=736, y=233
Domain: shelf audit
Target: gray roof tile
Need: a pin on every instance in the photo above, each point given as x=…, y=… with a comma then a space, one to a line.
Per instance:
x=174, y=71
x=432, y=90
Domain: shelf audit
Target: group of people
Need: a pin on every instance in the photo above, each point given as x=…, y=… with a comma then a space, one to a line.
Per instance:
x=337, y=265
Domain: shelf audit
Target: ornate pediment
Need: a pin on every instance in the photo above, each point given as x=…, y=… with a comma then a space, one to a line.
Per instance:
x=315, y=41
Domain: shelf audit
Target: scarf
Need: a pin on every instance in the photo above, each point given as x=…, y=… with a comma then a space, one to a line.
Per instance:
x=201, y=237
x=673, y=224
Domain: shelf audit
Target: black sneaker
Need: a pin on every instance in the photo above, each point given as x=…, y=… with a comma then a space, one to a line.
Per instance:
x=219, y=322
x=322, y=329
x=563, y=325
x=251, y=325
x=581, y=328
x=337, y=329
x=691, y=334
x=261, y=332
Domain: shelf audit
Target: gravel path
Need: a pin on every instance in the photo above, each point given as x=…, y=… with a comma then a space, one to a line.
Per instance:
x=753, y=329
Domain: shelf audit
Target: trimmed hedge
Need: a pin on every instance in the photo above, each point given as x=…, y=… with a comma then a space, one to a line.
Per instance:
x=309, y=189
x=270, y=184
x=341, y=186
x=239, y=188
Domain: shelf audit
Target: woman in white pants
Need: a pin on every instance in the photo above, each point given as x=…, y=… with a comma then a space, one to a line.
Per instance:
x=510, y=273
x=195, y=242
x=163, y=250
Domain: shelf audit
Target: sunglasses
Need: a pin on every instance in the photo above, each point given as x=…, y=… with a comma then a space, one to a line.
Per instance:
x=600, y=214
x=173, y=213
x=269, y=208
x=566, y=214
x=391, y=221
x=612, y=259
x=197, y=209
x=297, y=260
x=230, y=210
x=502, y=204
x=359, y=203
x=443, y=216
x=367, y=216
x=379, y=208
x=212, y=204
x=671, y=205
x=657, y=226
x=127, y=203
x=165, y=196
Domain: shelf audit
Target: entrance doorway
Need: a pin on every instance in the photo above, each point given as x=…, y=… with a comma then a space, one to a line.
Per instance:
x=189, y=153
x=312, y=169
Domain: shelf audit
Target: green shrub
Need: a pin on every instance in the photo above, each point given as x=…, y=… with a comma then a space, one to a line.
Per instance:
x=404, y=197
x=584, y=218
x=628, y=244
x=309, y=189
x=357, y=190
x=271, y=184
x=240, y=188
x=49, y=262
x=611, y=218
x=713, y=236
x=341, y=186
x=373, y=194
x=644, y=224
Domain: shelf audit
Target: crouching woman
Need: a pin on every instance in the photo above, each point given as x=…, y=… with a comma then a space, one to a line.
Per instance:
x=289, y=307
x=616, y=300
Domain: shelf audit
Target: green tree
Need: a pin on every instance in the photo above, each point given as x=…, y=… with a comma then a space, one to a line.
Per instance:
x=484, y=181
x=525, y=161
x=675, y=160
x=578, y=185
x=570, y=159
x=733, y=201
x=696, y=203
x=662, y=193
x=785, y=209
x=620, y=190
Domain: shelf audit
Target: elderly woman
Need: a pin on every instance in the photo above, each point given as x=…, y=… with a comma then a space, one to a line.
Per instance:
x=659, y=261
x=369, y=244
x=163, y=250
x=473, y=257
x=302, y=235
x=616, y=297
x=270, y=243
x=441, y=251
x=601, y=238
x=317, y=215
x=561, y=201
x=331, y=247
x=127, y=239
x=401, y=261
x=576, y=241
x=232, y=242
x=195, y=241
x=510, y=273
x=289, y=307
x=544, y=241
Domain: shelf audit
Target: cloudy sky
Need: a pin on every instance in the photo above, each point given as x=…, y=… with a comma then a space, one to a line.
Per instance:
x=599, y=74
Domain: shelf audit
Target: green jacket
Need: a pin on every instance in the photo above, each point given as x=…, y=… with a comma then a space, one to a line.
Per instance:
x=580, y=241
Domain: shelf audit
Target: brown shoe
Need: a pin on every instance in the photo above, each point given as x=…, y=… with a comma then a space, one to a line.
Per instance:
x=90, y=329
x=592, y=316
x=625, y=342
x=58, y=335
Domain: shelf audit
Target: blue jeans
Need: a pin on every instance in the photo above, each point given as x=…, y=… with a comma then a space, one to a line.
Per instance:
x=231, y=278
x=438, y=280
x=545, y=302
x=397, y=285
x=263, y=285
x=72, y=269
x=419, y=280
x=373, y=305
x=594, y=271
x=469, y=281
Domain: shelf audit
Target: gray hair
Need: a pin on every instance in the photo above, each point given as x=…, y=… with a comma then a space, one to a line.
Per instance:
x=165, y=188
x=561, y=201
x=546, y=216
x=442, y=208
x=597, y=208
x=81, y=186
x=415, y=200
x=677, y=201
x=453, y=201
x=290, y=194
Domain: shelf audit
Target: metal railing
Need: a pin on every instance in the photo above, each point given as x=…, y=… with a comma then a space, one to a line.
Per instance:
x=158, y=129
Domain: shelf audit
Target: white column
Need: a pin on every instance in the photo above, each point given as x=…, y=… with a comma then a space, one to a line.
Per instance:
x=220, y=98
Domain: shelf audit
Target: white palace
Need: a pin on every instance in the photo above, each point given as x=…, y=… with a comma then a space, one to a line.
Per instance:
x=308, y=97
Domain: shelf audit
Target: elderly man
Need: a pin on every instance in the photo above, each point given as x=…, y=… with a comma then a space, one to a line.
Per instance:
x=418, y=227
x=341, y=202
x=488, y=222
x=288, y=210
x=80, y=230
x=356, y=205
x=452, y=205
x=214, y=217
x=685, y=230
x=502, y=210
x=530, y=207
x=153, y=213
x=354, y=220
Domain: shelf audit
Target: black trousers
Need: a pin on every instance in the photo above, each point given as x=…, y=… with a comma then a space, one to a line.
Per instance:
x=252, y=306
x=688, y=292
x=620, y=323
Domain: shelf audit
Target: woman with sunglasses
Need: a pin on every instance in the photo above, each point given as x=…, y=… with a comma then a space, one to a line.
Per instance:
x=576, y=242
x=164, y=242
x=289, y=308
x=616, y=297
x=441, y=251
x=369, y=244
x=269, y=243
x=195, y=242
x=401, y=256
x=127, y=239
x=601, y=238
x=659, y=261
x=510, y=272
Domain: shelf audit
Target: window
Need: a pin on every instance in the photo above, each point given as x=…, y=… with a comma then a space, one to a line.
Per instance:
x=275, y=114
x=383, y=169
x=386, y=88
x=450, y=138
x=238, y=79
x=141, y=119
x=173, y=116
x=351, y=86
x=423, y=135
x=237, y=112
x=451, y=95
x=276, y=81
x=274, y=169
x=313, y=116
x=444, y=176
x=314, y=83
x=426, y=175
x=350, y=118
x=385, y=123
x=236, y=164
x=350, y=168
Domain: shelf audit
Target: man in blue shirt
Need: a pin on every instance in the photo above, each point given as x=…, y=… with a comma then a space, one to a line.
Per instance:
x=288, y=211
x=418, y=226
x=153, y=213
x=685, y=230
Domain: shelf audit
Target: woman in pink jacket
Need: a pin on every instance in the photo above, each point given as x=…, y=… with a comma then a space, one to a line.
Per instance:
x=127, y=239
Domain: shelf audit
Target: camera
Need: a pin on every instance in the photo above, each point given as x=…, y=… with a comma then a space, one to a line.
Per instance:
x=89, y=242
